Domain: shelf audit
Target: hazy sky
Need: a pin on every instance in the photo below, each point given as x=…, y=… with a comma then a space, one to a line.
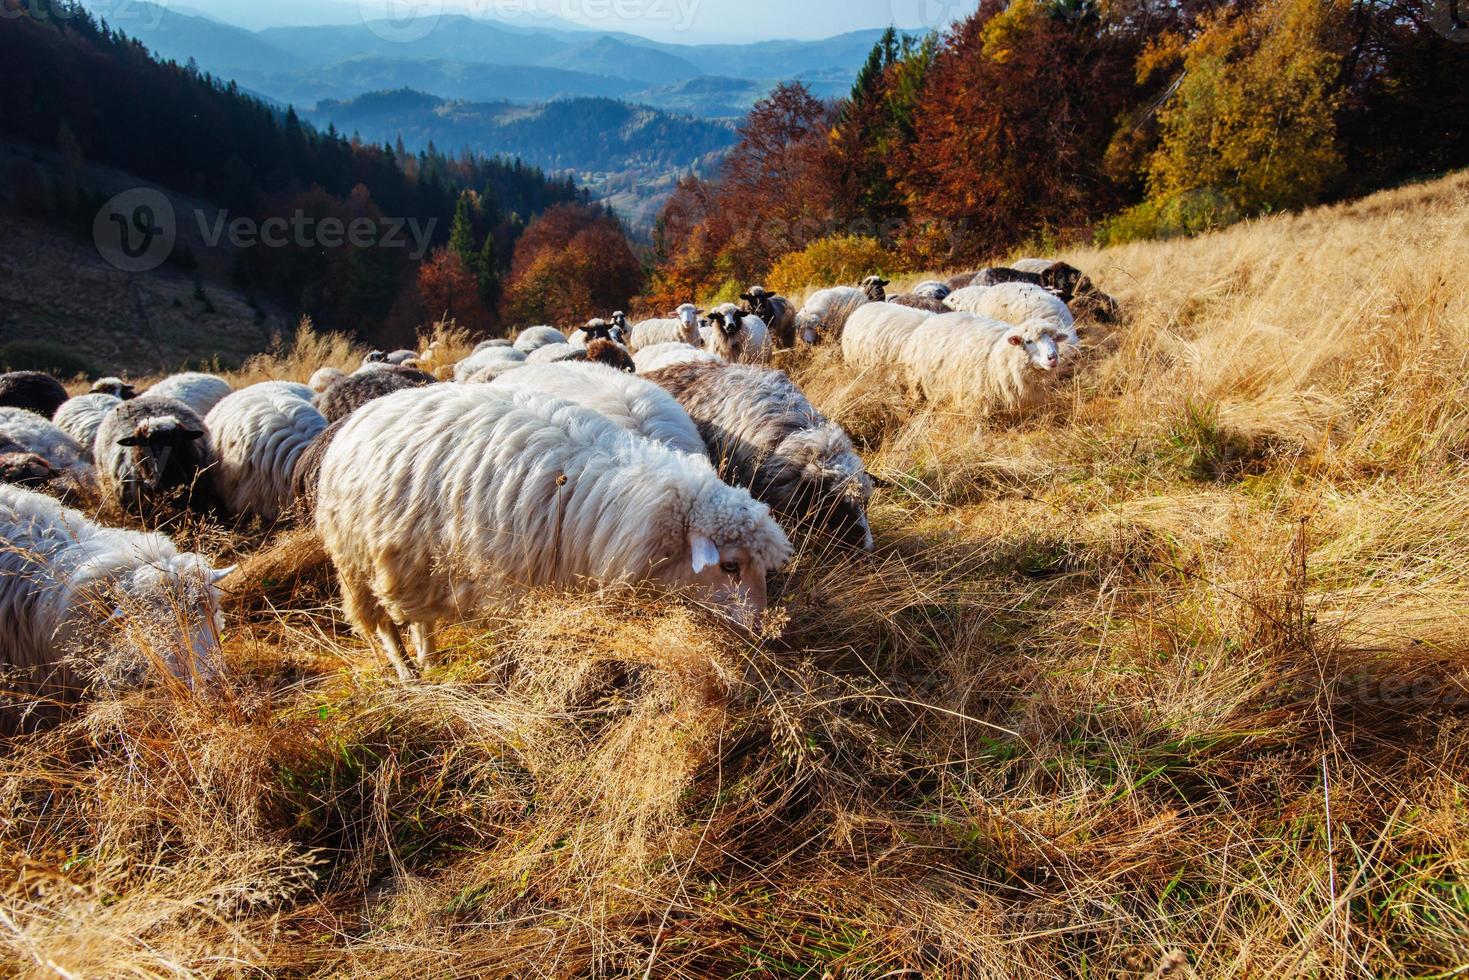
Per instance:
x=690, y=21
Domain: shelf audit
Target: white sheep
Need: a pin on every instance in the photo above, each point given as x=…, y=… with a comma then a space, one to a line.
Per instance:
x=83, y=605
x=1016, y=303
x=483, y=358
x=201, y=392
x=634, y=403
x=24, y=431
x=494, y=370
x=682, y=327
x=736, y=336
x=439, y=503
x=532, y=338
x=825, y=312
x=324, y=378
x=971, y=362
x=258, y=433
x=295, y=389
x=876, y=332
x=81, y=416
x=1036, y=266
x=550, y=353
x=482, y=345
x=658, y=356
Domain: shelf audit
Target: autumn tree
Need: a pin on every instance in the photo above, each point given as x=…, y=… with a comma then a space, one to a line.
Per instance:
x=447, y=287
x=572, y=263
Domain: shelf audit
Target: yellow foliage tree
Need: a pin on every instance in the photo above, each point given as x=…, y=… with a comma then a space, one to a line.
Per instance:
x=830, y=261
x=1254, y=115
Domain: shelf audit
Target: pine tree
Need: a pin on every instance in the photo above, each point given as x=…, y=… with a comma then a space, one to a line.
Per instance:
x=486, y=270
x=461, y=233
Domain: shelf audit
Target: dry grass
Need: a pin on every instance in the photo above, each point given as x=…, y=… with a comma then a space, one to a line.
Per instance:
x=1167, y=680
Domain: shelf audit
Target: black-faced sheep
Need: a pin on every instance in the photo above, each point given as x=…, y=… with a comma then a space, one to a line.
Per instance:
x=33, y=391
x=606, y=352
x=737, y=337
x=116, y=387
x=763, y=434
x=777, y=312
x=150, y=451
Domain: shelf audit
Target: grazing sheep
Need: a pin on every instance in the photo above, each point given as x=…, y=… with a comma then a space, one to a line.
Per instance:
x=777, y=312
x=873, y=287
x=916, y=302
x=201, y=392
x=636, y=404
x=965, y=361
x=961, y=281
x=324, y=378
x=401, y=358
x=297, y=390
x=682, y=327
x=481, y=359
x=487, y=344
x=532, y=338
x=307, y=474
x=150, y=448
x=116, y=387
x=876, y=333
x=931, y=288
x=826, y=312
x=33, y=391
x=22, y=430
x=764, y=435
x=606, y=352
x=550, y=353
x=559, y=497
x=998, y=275
x=84, y=606
x=1016, y=303
x=737, y=338
x=350, y=394
x=493, y=370
x=660, y=356
x=82, y=416
x=259, y=432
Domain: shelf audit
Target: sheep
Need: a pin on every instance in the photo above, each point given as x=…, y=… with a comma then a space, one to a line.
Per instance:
x=876, y=333
x=596, y=329
x=550, y=353
x=483, y=358
x=777, y=313
x=636, y=404
x=295, y=389
x=33, y=391
x=1080, y=293
x=487, y=344
x=84, y=606
x=825, y=312
x=737, y=338
x=961, y=281
x=324, y=378
x=81, y=416
x=307, y=473
x=23, y=469
x=1032, y=265
x=930, y=288
x=115, y=387
x=764, y=435
x=872, y=286
x=606, y=352
x=442, y=502
x=150, y=448
x=660, y=356
x=682, y=327
x=259, y=433
x=350, y=394
x=1016, y=303
x=533, y=337
x=967, y=361
x=914, y=301
x=402, y=358
x=493, y=370
x=620, y=329
x=201, y=392
x=24, y=431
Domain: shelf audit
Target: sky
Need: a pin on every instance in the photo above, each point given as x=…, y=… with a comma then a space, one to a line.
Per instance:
x=689, y=21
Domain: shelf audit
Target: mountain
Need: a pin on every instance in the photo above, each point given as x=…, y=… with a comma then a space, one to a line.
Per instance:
x=176, y=36
x=451, y=38
x=606, y=55
x=585, y=134
x=710, y=96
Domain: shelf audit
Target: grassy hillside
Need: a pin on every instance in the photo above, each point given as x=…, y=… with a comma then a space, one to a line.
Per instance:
x=1167, y=680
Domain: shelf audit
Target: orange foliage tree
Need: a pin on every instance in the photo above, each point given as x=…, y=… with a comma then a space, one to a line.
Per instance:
x=573, y=263
x=447, y=287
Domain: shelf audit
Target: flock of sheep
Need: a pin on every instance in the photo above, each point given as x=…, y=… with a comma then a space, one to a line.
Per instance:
x=665, y=452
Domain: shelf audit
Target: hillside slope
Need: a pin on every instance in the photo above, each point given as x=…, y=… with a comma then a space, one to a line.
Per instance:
x=1167, y=679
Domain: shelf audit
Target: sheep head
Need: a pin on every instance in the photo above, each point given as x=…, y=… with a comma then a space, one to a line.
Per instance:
x=116, y=387
x=732, y=543
x=827, y=485
x=873, y=287
x=153, y=441
x=1040, y=342
x=25, y=469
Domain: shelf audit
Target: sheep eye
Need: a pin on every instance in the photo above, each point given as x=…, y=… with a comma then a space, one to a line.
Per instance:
x=729, y=567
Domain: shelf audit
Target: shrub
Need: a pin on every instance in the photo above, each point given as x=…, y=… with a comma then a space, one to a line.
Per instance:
x=830, y=261
x=41, y=355
x=1182, y=214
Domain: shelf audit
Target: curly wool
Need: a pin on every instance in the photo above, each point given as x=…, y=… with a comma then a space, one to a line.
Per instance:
x=876, y=333
x=634, y=403
x=438, y=503
x=82, y=416
x=350, y=394
x=764, y=434
x=259, y=433
x=201, y=392
x=1016, y=303
x=171, y=453
x=64, y=579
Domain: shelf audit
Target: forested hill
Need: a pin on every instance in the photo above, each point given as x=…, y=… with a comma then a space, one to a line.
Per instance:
x=84, y=98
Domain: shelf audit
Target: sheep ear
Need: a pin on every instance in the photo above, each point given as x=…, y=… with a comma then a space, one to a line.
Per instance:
x=1016, y=340
x=217, y=575
x=702, y=553
x=130, y=441
x=191, y=433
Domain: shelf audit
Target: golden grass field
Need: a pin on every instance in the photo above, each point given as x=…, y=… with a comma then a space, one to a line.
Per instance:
x=1169, y=679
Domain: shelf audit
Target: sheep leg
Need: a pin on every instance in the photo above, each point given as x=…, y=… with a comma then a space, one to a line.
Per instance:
x=423, y=642
x=392, y=642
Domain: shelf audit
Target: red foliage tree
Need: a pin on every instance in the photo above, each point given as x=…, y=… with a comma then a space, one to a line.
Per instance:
x=447, y=287
x=572, y=263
